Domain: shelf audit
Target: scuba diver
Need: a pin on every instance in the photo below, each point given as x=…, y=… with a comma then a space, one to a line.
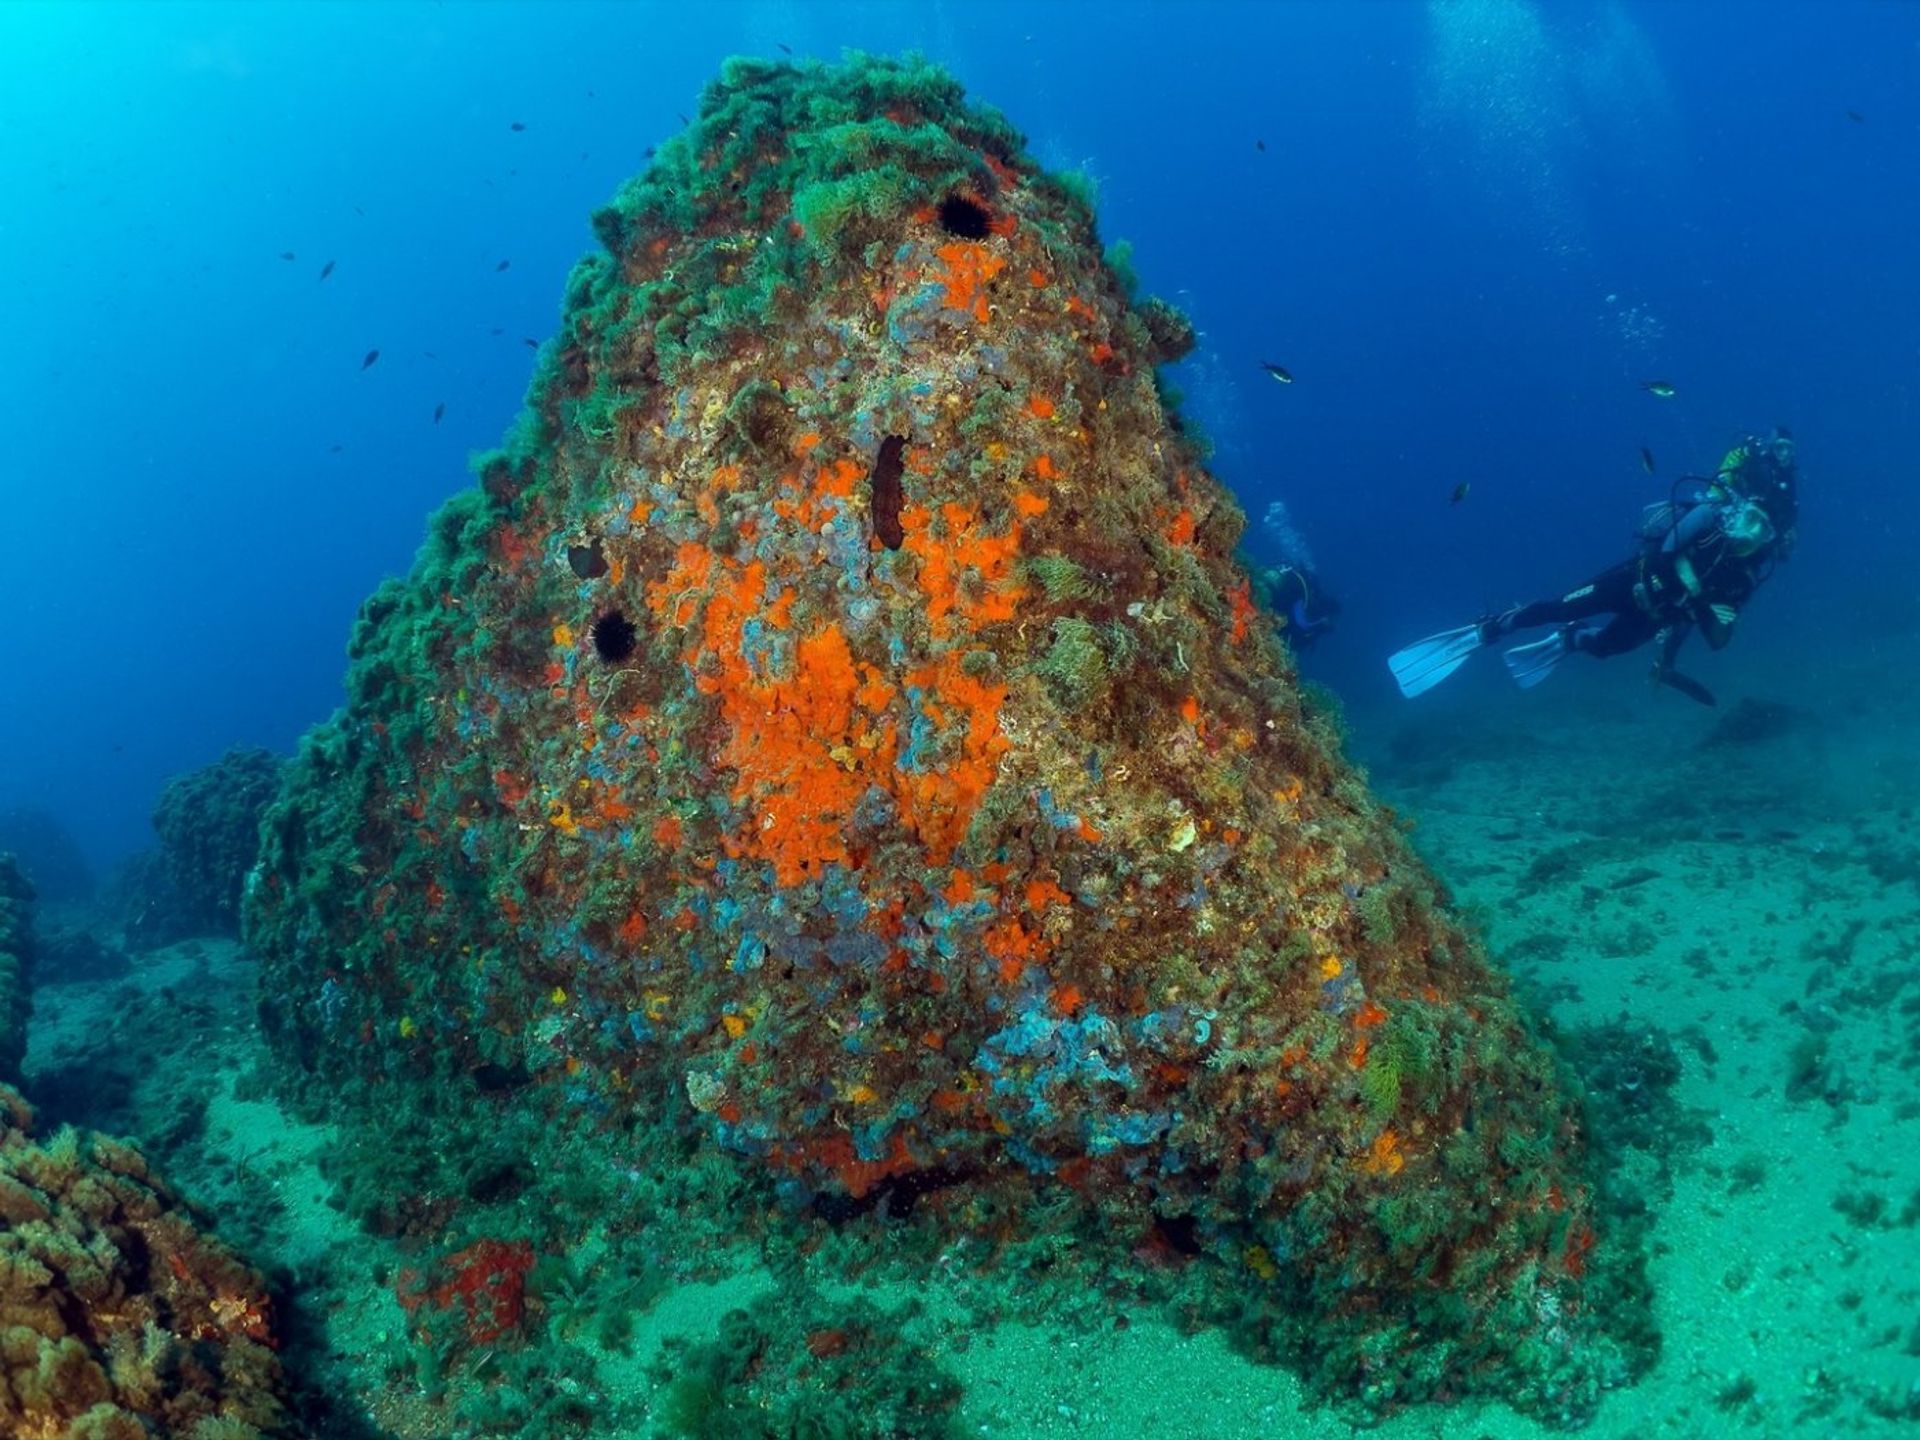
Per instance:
x=1304, y=607
x=1703, y=552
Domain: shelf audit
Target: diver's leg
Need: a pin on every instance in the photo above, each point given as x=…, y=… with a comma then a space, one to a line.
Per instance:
x=1609, y=592
x=1627, y=630
x=1671, y=639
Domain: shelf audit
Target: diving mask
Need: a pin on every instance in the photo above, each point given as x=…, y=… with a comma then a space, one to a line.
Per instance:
x=1746, y=526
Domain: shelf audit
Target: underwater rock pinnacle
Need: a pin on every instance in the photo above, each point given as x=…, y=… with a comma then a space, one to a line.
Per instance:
x=836, y=732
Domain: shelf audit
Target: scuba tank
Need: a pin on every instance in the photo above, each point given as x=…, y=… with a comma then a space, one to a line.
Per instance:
x=1659, y=520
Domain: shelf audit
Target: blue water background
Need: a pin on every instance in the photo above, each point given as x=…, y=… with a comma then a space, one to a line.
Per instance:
x=1474, y=229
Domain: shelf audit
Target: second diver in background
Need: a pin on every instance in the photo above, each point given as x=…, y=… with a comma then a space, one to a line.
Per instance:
x=1303, y=606
x=1702, y=554
x=1282, y=566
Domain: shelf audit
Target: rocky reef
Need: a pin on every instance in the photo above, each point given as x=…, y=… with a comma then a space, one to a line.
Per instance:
x=47, y=854
x=794, y=1364
x=208, y=823
x=119, y=1320
x=16, y=967
x=834, y=739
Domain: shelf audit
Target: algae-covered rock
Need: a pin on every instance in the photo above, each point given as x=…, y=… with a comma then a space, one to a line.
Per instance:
x=208, y=822
x=16, y=967
x=118, y=1318
x=835, y=733
x=794, y=1363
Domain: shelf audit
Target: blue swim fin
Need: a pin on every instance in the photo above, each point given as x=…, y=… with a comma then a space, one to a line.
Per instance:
x=1687, y=686
x=1425, y=663
x=1530, y=664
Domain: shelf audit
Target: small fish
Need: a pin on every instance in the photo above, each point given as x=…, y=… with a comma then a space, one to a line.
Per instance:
x=683, y=118
x=503, y=265
x=1461, y=491
x=529, y=342
x=517, y=126
x=783, y=49
x=1260, y=145
x=496, y=330
x=438, y=411
x=372, y=355
x=1662, y=388
x=1646, y=460
x=1856, y=117
x=358, y=211
x=326, y=269
x=335, y=449
x=288, y=255
x=1278, y=372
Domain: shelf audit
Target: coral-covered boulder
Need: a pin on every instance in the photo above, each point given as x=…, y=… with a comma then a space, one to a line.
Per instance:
x=208, y=821
x=836, y=729
x=119, y=1320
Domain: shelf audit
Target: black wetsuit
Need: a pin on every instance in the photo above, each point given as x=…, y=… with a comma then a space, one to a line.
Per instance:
x=1648, y=596
x=1611, y=592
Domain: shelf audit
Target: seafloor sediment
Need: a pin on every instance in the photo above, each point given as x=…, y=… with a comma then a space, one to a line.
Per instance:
x=834, y=740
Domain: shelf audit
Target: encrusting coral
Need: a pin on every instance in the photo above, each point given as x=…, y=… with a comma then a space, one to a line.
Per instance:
x=119, y=1320
x=835, y=733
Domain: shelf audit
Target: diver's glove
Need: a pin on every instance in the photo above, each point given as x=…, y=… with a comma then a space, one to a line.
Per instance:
x=1716, y=624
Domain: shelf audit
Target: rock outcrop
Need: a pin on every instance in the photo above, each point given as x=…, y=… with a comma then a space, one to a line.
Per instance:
x=836, y=731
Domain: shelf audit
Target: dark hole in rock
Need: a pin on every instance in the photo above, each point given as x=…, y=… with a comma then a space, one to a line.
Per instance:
x=895, y=1196
x=1180, y=1232
x=614, y=637
x=497, y=1182
x=885, y=494
x=836, y=1208
x=905, y=1190
x=587, y=561
x=492, y=1079
x=966, y=218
